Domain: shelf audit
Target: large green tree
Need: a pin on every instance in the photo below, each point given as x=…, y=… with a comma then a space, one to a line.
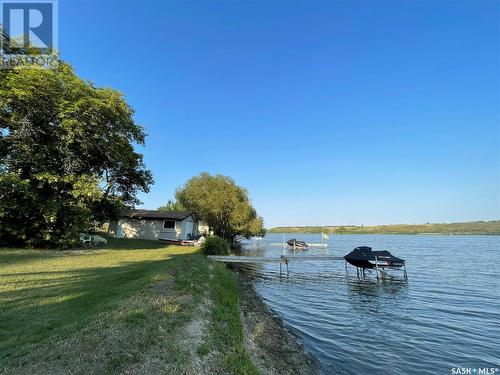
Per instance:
x=67, y=158
x=222, y=204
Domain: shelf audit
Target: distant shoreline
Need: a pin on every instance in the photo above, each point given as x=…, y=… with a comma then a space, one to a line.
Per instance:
x=463, y=228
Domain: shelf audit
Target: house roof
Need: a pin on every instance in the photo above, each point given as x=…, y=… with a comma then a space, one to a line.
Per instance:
x=155, y=214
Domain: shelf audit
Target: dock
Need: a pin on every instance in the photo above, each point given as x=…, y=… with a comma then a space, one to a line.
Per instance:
x=283, y=259
x=280, y=259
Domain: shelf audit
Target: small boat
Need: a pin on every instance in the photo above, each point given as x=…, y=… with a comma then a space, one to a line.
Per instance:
x=364, y=257
x=297, y=244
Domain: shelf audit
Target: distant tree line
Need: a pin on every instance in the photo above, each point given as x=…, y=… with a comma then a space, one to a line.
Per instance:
x=472, y=227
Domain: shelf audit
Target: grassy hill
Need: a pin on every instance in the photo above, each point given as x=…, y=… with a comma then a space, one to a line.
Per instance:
x=472, y=227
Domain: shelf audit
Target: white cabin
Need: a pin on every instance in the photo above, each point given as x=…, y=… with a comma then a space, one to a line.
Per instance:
x=155, y=225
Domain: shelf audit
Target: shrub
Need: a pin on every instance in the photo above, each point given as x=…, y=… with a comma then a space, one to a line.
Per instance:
x=215, y=245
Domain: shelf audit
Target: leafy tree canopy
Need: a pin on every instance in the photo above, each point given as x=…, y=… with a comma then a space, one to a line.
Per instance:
x=222, y=204
x=67, y=157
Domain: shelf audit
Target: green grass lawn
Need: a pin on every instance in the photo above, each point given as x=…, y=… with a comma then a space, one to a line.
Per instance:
x=135, y=307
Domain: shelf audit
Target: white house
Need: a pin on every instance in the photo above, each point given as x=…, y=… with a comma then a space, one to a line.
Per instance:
x=154, y=225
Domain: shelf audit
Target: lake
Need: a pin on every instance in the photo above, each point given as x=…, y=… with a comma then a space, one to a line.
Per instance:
x=446, y=316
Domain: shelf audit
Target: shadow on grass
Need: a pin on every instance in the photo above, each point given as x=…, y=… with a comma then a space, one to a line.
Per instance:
x=113, y=244
x=54, y=302
x=129, y=244
x=12, y=256
x=9, y=256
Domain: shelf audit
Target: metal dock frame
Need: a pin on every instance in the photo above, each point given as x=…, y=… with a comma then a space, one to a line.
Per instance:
x=283, y=259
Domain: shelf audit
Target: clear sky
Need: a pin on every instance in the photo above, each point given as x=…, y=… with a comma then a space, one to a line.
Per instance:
x=328, y=112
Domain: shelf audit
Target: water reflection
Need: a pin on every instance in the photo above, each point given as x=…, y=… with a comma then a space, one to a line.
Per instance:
x=367, y=295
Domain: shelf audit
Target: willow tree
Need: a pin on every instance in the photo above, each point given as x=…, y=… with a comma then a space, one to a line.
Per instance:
x=222, y=204
x=67, y=158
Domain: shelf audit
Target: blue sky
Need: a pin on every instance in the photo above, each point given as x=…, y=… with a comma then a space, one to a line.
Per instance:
x=328, y=112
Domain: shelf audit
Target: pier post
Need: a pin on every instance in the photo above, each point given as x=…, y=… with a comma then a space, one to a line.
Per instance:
x=376, y=266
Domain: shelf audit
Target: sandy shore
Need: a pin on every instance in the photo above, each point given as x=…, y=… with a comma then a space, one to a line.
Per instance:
x=274, y=350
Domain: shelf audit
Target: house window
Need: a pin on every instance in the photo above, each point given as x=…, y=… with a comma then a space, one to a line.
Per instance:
x=169, y=224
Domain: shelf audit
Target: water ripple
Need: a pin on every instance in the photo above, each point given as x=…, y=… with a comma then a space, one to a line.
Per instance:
x=446, y=316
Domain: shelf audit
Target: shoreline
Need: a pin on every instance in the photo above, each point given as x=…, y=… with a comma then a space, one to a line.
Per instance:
x=468, y=228
x=272, y=347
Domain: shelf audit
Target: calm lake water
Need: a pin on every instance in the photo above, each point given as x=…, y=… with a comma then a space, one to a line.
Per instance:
x=446, y=316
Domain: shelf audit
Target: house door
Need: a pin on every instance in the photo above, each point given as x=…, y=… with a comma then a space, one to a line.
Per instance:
x=189, y=230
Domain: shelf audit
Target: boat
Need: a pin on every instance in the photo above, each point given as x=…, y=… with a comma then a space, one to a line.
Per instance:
x=296, y=244
x=364, y=257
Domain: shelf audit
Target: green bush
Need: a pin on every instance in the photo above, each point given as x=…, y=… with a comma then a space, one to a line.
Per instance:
x=215, y=245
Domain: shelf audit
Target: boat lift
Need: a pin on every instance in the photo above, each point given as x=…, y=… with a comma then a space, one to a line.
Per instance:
x=380, y=267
